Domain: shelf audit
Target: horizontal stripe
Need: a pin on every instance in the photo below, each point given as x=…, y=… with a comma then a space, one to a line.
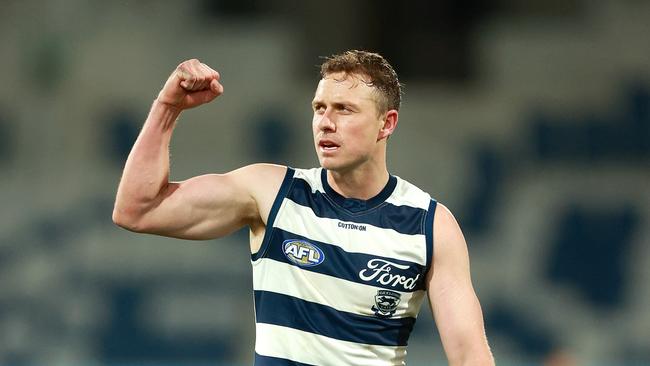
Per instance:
x=345, y=296
x=313, y=349
x=373, y=240
x=312, y=176
x=386, y=273
x=274, y=361
x=403, y=219
x=354, y=205
x=288, y=311
x=406, y=194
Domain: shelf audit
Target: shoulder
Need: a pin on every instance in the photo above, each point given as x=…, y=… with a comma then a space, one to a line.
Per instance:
x=311, y=175
x=444, y=222
x=262, y=170
x=448, y=240
x=261, y=181
x=408, y=194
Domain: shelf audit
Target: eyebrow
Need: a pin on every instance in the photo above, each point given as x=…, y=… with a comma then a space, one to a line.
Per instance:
x=353, y=105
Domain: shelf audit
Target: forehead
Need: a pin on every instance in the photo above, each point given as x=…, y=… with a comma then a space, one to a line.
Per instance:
x=347, y=86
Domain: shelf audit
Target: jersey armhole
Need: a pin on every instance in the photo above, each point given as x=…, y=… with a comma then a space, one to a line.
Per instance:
x=282, y=193
x=428, y=233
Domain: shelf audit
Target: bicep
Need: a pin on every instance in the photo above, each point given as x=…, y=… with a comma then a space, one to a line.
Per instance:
x=454, y=304
x=208, y=206
x=202, y=207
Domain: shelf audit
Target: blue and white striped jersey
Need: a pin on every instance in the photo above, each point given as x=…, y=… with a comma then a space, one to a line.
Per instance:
x=340, y=281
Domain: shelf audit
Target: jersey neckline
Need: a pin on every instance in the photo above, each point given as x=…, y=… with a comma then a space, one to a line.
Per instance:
x=355, y=204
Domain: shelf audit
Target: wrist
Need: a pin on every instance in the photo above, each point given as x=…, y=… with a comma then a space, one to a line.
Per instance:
x=166, y=106
x=165, y=113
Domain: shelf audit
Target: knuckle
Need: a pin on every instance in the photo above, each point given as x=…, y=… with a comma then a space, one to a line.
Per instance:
x=185, y=65
x=210, y=72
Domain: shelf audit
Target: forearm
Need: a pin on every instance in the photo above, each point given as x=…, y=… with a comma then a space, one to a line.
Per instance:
x=470, y=348
x=146, y=172
x=463, y=333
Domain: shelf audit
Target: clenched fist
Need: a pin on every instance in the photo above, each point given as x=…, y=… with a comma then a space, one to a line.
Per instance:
x=192, y=83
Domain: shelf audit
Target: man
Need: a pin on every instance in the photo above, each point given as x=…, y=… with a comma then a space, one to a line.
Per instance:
x=342, y=255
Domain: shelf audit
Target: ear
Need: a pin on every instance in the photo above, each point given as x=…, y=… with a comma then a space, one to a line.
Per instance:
x=390, y=123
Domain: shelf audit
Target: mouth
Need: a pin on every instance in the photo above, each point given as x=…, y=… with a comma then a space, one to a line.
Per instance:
x=328, y=145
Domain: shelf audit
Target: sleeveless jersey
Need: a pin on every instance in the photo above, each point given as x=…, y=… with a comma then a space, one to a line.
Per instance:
x=340, y=281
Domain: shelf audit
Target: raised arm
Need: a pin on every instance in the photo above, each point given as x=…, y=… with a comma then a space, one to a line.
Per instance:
x=202, y=207
x=454, y=304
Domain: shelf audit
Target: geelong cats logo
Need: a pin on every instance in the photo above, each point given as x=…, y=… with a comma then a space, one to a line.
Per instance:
x=386, y=302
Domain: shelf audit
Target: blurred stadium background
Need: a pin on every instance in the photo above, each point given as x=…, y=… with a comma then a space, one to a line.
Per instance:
x=529, y=119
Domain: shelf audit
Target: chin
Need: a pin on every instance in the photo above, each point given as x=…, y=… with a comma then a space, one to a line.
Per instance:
x=335, y=166
x=328, y=163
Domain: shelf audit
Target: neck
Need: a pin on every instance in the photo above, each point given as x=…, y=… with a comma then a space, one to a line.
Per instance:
x=358, y=183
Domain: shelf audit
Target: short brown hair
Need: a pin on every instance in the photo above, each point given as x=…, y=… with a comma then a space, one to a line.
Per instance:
x=382, y=75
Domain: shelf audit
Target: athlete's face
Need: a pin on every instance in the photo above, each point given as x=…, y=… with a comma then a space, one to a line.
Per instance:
x=346, y=125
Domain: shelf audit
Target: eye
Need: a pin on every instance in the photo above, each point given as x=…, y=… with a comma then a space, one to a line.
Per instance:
x=318, y=108
x=345, y=109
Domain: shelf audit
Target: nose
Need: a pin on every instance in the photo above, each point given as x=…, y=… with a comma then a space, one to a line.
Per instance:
x=325, y=123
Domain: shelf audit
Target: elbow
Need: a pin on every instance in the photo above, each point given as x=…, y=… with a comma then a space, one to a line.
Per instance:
x=121, y=219
x=127, y=219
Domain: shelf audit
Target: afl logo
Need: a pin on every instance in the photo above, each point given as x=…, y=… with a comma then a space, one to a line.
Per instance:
x=302, y=253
